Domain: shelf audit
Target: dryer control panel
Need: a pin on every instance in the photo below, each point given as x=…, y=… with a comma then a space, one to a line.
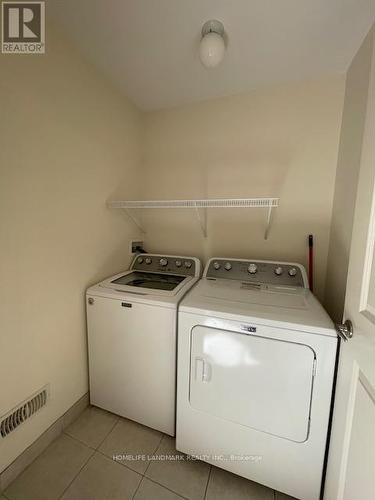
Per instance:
x=257, y=271
x=170, y=264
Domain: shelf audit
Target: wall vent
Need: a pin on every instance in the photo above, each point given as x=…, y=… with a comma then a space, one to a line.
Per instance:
x=22, y=412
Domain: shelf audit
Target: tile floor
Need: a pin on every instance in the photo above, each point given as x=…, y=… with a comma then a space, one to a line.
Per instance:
x=80, y=465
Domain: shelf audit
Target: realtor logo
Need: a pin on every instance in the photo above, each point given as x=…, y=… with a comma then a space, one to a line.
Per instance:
x=23, y=28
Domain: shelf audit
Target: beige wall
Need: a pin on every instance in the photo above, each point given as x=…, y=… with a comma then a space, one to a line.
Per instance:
x=68, y=142
x=350, y=149
x=281, y=142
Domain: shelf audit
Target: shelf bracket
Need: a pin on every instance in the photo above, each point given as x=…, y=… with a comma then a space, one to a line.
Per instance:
x=202, y=220
x=269, y=219
x=134, y=220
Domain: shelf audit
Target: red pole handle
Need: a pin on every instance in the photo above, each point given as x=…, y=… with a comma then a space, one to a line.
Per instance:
x=311, y=262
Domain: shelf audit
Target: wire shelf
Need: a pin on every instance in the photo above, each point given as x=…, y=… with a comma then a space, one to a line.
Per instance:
x=268, y=203
x=207, y=203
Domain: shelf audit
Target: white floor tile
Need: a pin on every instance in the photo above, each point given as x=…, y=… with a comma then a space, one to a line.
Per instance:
x=50, y=474
x=92, y=426
x=226, y=486
x=132, y=440
x=152, y=491
x=185, y=477
x=103, y=479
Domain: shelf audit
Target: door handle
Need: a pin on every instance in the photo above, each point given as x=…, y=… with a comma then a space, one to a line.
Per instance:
x=205, y=372
x=345, y=330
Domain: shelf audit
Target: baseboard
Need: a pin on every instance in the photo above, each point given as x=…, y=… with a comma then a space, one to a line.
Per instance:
x=42, y=442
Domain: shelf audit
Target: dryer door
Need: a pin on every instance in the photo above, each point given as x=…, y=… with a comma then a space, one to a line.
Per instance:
x=259, y=382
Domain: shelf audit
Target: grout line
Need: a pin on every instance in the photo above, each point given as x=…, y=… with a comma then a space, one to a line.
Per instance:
x=155, y=450
x=109, y=432
x=208, y=480
x=165, y=487
x=78, y=473
x=79, y=441
x=137, y=488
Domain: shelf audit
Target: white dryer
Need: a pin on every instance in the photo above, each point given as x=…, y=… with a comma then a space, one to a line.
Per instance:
x=256, y=362
x=132, y=319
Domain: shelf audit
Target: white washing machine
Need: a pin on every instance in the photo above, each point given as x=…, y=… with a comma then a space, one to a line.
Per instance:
x=256, y=362
x=131, y=319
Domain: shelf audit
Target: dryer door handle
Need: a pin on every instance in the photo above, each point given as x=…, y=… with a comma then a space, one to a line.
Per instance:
x=203, y=369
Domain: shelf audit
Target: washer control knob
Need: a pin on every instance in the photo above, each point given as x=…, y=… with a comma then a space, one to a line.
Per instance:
x=163, y=261
x=228, y=266
x=252, y=269
x=217, y=266
x=187, y=264
x=140, y=260
x=292, y=272
x=279, y=271
x=148, y=260
x=178, y=263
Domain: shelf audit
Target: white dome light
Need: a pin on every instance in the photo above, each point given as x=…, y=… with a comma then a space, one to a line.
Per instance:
x=212, y=46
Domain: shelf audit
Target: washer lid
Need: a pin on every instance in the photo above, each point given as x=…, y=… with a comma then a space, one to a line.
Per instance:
x=154, y=281
x=146, y=283
x=296, y=307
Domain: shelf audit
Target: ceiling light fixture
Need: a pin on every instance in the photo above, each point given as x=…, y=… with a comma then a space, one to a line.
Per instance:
x=212, y=46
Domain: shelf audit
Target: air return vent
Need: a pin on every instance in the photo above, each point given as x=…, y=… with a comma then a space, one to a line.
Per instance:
x=22, y=412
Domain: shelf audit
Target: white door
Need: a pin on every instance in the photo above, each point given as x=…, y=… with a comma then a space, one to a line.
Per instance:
x=262, y=383
x=351, y=462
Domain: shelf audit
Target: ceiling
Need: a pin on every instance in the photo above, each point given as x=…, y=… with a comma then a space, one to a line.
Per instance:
x=149, y=48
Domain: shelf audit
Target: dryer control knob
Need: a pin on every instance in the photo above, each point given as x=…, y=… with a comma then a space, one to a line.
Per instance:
x=163, y=262
x=178, y=263
x=148, y=260
x=217, y=266
x=187, y=264
x=228, y=266
x=140, y=260
x=252, y=269
x=279, y=271
x=292, y=272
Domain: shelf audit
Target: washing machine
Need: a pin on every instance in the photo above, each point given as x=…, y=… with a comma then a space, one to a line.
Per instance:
x=256, y=363
x=131, y=320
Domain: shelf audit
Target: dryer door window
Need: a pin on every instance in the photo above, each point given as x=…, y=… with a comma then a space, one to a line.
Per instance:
x=259, y=382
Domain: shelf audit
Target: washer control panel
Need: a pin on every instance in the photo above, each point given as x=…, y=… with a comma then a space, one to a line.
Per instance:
x=257, y=271
x=165, y=264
